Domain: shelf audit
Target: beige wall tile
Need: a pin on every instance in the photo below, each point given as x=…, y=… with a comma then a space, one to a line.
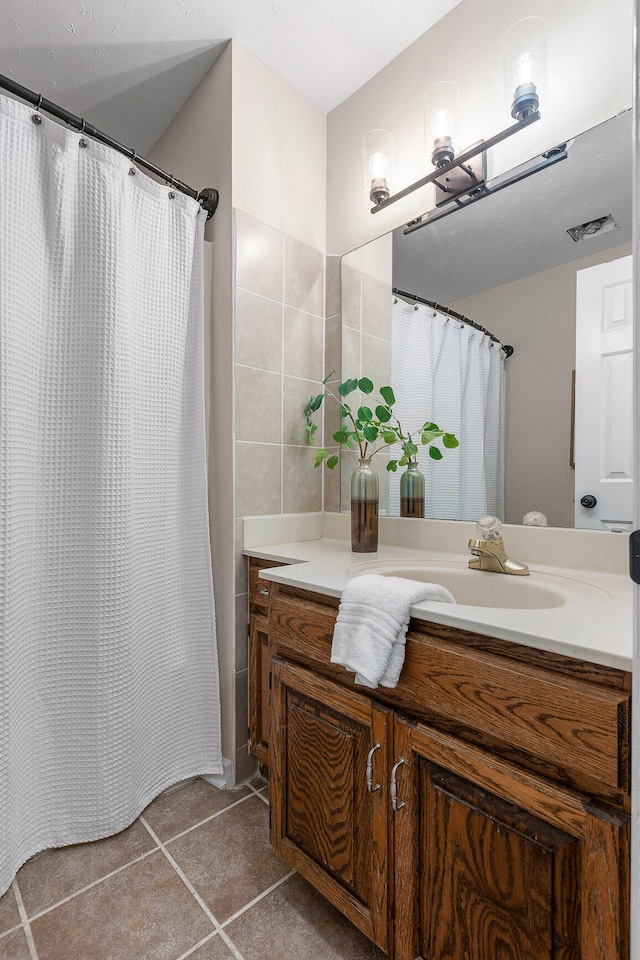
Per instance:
x=302, y=483
x=332, y=295
x=258, y=478
x=376, y=360
x=350, y=353
x=258, y=405
x=376, y=307
x=258, y=331
x=259, y=257
x=333, y=347
x=296, y=395
x=332, y=487
x=303, y=344
x=332, y=418
x=304, y=277
x=350, y=283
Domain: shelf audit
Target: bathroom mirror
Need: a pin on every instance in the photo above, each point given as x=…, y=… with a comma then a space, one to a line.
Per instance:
x=508, y=263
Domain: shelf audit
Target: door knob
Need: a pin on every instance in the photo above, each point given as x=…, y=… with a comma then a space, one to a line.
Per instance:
x=588, y=501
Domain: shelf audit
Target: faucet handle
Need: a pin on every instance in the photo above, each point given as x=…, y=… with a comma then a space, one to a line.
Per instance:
x=489, y=528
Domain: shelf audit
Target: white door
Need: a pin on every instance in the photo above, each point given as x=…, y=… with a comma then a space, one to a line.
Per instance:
x=603, y=441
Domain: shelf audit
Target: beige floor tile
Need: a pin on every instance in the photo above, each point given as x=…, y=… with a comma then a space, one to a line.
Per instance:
x=145, y=911
x=14, y=946
x=294, y=922
x=55, y=874
x=9, y=913
x=229, y=860
x=180, y=809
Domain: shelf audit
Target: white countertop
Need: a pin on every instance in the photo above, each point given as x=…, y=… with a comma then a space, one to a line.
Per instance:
x=593, y=621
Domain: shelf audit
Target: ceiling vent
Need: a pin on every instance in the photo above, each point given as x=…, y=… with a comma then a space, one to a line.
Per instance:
x=592, y=228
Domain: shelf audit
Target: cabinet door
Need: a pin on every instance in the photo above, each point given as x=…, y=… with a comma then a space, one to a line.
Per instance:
x=492, y=862
x=328, y=776
x=259, y=669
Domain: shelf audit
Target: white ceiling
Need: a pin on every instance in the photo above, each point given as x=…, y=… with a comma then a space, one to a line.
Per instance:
x=127, y=66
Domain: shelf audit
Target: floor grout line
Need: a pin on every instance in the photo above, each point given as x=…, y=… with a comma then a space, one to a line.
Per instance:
x=26, y=926
x=196, y=946
x=261, y=896
x=192, y=890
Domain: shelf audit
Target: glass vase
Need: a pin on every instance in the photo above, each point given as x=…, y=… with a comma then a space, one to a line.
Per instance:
x=364, y=508
x=412, y=491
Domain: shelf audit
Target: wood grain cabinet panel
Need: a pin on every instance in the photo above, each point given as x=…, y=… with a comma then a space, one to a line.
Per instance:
x=327, y=820
x=477, y=811
x=259, y=684
x=495, y=866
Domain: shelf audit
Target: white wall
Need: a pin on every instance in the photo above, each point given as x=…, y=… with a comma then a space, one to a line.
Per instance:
x=589, y=57
x=279, y=151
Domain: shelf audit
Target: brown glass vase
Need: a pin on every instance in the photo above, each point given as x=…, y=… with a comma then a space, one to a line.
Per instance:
x=412, y=491
x=364, y=508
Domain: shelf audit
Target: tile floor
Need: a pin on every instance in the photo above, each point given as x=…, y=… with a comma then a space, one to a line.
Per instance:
x=194, y=876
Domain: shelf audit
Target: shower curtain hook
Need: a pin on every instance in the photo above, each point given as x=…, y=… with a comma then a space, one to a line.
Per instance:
x=82, y=142
x=36, y=116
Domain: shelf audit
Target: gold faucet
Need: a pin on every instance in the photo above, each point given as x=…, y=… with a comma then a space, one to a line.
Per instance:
x=488, y=550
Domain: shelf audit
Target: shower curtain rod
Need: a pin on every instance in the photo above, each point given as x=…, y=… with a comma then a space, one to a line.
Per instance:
x=452, y=313
x=207, y=198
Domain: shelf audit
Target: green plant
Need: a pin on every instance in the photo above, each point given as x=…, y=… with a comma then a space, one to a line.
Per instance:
x=373, y=427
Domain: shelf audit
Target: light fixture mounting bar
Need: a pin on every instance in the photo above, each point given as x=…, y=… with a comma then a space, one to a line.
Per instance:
x=458, y=161
x=549, y=158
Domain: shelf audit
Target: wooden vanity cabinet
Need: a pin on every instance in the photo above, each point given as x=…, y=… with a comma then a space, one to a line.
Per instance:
x=447, y=838
x=259, y=659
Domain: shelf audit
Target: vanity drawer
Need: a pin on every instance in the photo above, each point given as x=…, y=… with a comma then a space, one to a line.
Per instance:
x=568, y=724
x=563, y=724
x=259, y=589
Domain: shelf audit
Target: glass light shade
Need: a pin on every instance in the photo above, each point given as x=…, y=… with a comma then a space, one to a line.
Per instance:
x=441, y=105
x=377, y=159
x=525, y=66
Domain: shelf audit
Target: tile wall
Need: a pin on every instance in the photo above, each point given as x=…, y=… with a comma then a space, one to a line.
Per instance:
x=366, y=352
x=284, y=289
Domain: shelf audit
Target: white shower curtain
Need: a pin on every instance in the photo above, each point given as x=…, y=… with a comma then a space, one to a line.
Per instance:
x=108, y=664
x=450, y=373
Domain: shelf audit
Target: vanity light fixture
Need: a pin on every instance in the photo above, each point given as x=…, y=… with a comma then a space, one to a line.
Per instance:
x=463, y=174
x=377, y=158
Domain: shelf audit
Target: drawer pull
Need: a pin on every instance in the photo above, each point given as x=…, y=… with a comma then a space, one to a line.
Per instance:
x=394, y=788
x=264, y=592
x=370, y=786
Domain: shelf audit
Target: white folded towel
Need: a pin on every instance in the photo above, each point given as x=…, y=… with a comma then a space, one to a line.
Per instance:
x=369, y=635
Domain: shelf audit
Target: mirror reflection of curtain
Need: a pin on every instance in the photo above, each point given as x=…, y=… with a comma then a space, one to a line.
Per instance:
x=452, y=374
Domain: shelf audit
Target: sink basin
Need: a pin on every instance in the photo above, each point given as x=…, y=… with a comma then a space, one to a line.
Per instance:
x=475, y=588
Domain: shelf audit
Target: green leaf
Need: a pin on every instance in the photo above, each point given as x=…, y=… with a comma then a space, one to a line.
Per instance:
x=383, y=414
x=370, y=433
x=409, y=449
x=320, y=456
x=392, y=466
x=314, y=404
x=331, y=462
x=430, y=426
x=345, y=410
x=403, y=461
x=428, y=436
x=388, y=395
x=365, y=385
x=389, y=436
x=347, y=387
x=435, y=453
x=341, y=436
x=328, y=377
x=365, y=415
x=450, y=441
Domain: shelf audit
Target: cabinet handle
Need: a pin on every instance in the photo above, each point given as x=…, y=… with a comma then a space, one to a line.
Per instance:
x=370, y=786
x=394, y=788
x=264, y=592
